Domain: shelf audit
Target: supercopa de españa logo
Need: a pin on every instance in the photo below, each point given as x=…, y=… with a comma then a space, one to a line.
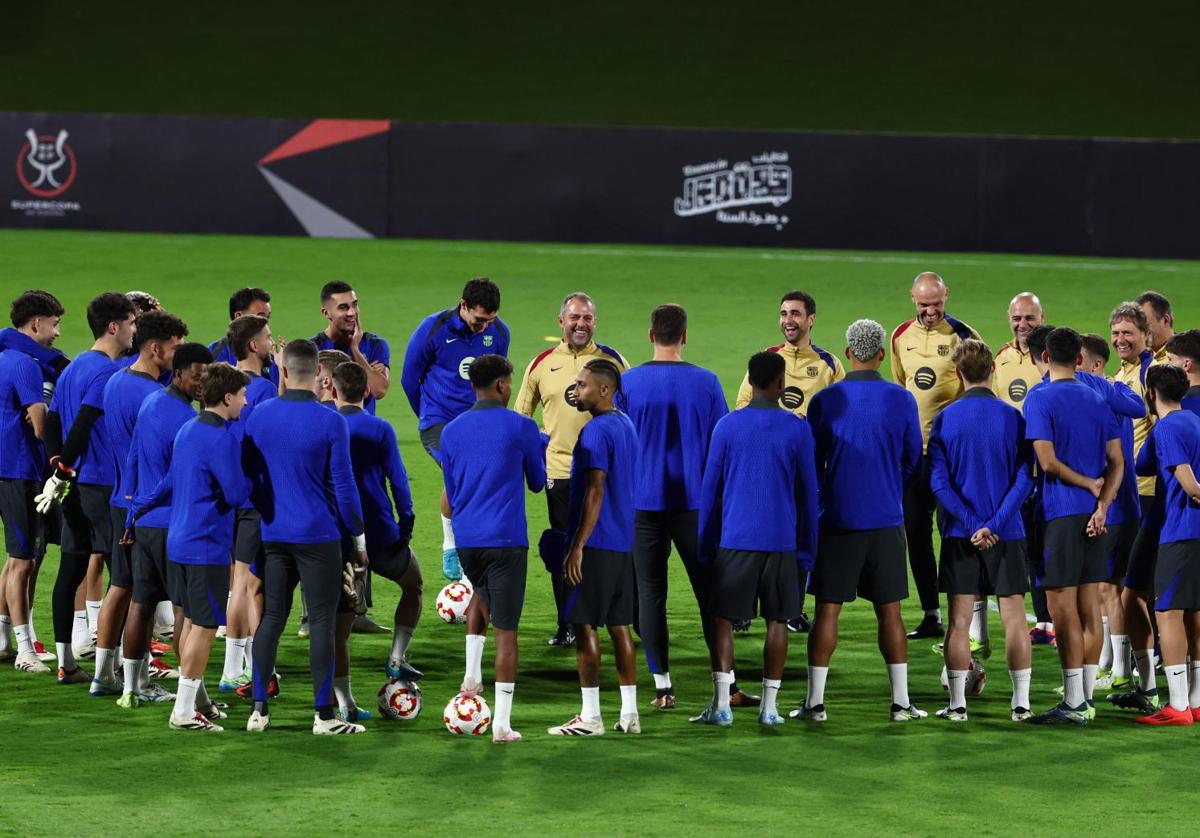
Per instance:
x=46, y=168
x=724, y=189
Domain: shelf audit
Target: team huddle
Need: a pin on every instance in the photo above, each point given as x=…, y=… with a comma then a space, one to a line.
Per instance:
x=1045, y=477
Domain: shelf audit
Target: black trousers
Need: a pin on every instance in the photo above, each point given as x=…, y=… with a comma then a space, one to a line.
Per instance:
x=919, y=506
x=319, y=568
x=654, y=533
x=1035, y=538
x=558, y=501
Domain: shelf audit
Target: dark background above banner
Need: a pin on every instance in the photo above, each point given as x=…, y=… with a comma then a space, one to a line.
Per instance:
x=373, y=178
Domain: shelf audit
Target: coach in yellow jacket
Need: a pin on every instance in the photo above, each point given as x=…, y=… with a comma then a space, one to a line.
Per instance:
x=921, y=362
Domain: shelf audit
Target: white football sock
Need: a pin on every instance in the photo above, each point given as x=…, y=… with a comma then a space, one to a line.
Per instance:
x=1144, y=661
x=66, y=658
x=898, y=675
x=104, y=664
x=249, y=665
x=1045, y=626
x=185, y=698
x=1194, y=675
x=1020, y=683
x=401, y=637
x=80, y=636
x=1120, y=655
x=92, y=607
x=5, y=638
x=663, y=681
x=935, y=613
x=1073, y=688
x=143, y=673
x=24, y=641
x=721, y=682
x=979, y=623
x=958, y=687
x=591, y=704
x=235, y=654
x=628, y=700
x=475, y=658
x=132, y=670
x=502, y=721
x=1177, y=685
x=164, y=614
x=770, y=695
x=33, y=628
x=202, y=699
x=341, y=689
x=1106, y=649
x=1089, y=680
x=447, y=534
x=816, y=685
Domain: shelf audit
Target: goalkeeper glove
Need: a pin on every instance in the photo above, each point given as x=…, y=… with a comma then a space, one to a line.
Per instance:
x=58, y=484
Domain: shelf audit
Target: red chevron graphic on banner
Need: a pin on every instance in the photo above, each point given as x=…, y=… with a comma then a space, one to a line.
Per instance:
x=322, y=133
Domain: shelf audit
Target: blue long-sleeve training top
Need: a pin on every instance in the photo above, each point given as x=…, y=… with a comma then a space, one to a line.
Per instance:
x=1126, y=406
x=436, y=360
x=159, y=419
x=123, y=397
x=1079, y=423
x=607, y=443
x=868, y=439
x=203, y=486
x=760, y=484
x=1176, y=442
x=489, y=455
x=82, y=384
x=375, y=458
x=979, y=466
x=374, y=348
x=22, y=456
x=674, y=406
x=298, y=453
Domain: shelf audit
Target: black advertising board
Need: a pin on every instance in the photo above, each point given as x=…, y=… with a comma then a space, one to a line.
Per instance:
x=374, y=178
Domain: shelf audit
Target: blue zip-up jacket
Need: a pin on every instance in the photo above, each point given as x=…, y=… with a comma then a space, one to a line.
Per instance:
x=159, y=419
x=489, y=455
x=298, y=455
x=436, y=361
x=123, y=397
x=760, y=485
x=674, y=406
x=375, y=458
x=203, y=485
x=979, y=466
x=82, y=383
x=868, y=440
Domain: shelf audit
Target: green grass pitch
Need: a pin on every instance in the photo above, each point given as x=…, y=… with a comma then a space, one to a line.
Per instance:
x=79, y=765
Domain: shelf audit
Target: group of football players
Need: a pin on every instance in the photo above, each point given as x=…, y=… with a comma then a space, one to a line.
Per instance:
x=1047, y=477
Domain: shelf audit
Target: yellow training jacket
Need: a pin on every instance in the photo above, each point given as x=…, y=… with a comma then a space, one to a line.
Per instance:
x=550, y=382
x=1015, y=374
x=808, y=372
x=921, y=363
x=1134, y=375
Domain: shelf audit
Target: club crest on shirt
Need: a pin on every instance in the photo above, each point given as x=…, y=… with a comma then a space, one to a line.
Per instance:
x=812, y=371
x=944, y=350
x=487, y=340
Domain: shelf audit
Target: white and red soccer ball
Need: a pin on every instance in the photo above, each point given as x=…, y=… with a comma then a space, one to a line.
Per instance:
x=467, y=715
x=399, y=700
x=453, y=600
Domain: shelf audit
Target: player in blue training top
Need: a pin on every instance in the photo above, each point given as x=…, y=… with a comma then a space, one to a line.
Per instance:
x=247, y=302
x=35, y=319
x=159, y=419
x=82, y=470
x=599, y=562
x=980, y=472
x=251, y=343
x=158, y=335
x=436, y=375
x=489, y=455
x=1183, y=351
x=303, y=485
x=758, y=529
x=375, y=458
x=1172, y=454
x=339, y=304
x=674, y=407
x=203, y=485
x=868, y=440
x=1078, y=447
